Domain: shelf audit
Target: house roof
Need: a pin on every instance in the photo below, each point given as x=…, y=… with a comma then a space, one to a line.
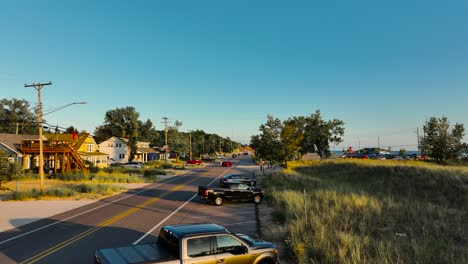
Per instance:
x=95, y=153
x=81, y=138
x=148, y=150
x=13, y=141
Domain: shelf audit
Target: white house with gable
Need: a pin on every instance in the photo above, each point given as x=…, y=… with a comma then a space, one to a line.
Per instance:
x=116, y=148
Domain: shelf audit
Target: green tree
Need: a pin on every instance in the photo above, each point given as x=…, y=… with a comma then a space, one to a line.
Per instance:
x=440, y=142
x=269, y=145
x=8, y=170
x=402, y=152
x=70, y=129
x=17, y=114
x=318, y=134
x=292, y=136
x=177, y=141
x=120, y=122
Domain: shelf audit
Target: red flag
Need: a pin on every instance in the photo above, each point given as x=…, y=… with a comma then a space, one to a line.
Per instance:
x=74, y=135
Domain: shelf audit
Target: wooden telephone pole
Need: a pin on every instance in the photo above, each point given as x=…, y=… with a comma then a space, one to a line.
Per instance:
x=38, y=87
x=165, y=130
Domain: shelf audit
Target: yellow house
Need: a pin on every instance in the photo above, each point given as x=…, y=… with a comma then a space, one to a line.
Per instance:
x=85, y=146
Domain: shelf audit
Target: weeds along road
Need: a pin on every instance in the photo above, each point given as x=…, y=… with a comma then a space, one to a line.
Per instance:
x=133, y=217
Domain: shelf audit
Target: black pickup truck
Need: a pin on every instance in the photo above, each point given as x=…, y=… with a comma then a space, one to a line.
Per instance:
x=234, y=191
x=193, y=244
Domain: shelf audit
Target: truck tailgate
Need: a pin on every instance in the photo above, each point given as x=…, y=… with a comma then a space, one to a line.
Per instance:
x=145, y=253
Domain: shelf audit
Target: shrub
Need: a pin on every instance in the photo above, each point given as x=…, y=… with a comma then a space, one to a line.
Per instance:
x=153, y=172
x=60, y=192
x=23, y=195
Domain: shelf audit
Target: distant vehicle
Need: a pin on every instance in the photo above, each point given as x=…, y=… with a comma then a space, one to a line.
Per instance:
x=237, y=178
x=235, y=191
x=207, y=158
x=234, y=155
x=195, y=161
x=133, y=164
x=194, y=244
x=246, y=153
x=220, y=157
x=226, y=164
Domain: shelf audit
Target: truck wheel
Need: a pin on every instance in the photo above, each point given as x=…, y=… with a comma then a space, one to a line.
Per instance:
x=257, y=199
x=218, y=200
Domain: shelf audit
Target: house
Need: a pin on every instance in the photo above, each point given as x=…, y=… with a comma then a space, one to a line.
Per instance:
x=116, y=149
x=11, y=144
x=146, y=153
x=119, y=151
x=84, y=144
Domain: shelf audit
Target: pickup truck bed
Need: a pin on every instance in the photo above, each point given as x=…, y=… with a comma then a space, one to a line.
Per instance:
x=145, y=253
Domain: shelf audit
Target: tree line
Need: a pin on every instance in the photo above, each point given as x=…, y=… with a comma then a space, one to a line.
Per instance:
x=18, y=116
x=278, y=142
x=283, y=141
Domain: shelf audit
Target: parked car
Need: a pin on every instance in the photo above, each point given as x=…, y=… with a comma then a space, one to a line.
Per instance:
x=133, y=164
x=234, y=155
x=195, y=161
x=235, y=191
x=226, y=164
x=237, y=178
x=195, y=244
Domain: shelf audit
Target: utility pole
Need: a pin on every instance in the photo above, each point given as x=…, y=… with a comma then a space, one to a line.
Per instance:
x=38, y=87
x=417, y=135
x=190, y=141
x=165, y=130
x=378, y=142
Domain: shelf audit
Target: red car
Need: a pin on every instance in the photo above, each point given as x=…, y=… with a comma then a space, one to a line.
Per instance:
x=226, y=164
x=196, y=161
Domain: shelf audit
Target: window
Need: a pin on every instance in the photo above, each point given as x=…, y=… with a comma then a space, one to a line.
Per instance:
x=197, y=247
x=89, y=147
x=228, y=244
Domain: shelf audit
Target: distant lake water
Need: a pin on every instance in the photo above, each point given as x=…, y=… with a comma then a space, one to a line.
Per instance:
x=409, y=152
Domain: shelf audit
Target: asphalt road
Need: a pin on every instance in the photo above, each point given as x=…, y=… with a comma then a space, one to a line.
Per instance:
x=133, y=217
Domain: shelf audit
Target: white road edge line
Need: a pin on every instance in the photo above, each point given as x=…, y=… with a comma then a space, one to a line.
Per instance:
x=173, y=213
x=90, y=210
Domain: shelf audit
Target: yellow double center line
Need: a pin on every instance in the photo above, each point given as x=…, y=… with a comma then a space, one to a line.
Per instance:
x=101, y=225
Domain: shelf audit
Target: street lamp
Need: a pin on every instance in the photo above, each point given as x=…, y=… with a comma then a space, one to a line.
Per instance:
x=62, y=107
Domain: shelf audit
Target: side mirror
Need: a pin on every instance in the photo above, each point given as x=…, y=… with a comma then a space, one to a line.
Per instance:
x=242, y=249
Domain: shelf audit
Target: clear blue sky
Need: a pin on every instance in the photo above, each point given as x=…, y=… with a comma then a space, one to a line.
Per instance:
x=382, y=67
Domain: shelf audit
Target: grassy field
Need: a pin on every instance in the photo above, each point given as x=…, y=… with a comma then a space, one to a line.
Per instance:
x=102, y=183
x=365, y=211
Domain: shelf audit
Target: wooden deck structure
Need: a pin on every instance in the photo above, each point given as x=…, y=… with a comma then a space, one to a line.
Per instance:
x=60, y=156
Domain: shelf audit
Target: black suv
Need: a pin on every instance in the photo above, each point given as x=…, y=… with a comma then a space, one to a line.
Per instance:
x=237, y=178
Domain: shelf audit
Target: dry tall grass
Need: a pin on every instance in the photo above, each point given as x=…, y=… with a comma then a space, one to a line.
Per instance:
x=358, y=211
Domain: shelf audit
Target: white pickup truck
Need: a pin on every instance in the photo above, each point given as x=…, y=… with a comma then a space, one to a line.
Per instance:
x=194, y=244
